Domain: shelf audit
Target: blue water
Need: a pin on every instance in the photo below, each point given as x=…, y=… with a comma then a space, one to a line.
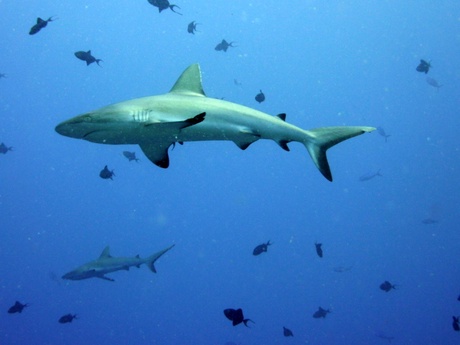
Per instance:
x=323, y=64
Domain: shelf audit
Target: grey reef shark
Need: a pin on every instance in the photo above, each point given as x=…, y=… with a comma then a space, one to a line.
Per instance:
x=185, y=114
x=106, y=263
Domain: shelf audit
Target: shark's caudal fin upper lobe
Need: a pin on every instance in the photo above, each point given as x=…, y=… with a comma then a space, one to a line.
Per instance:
x=319, y=140
x=150, y=262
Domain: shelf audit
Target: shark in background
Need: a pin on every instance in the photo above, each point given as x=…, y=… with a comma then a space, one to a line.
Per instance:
x=106, y=263
x=185, y=114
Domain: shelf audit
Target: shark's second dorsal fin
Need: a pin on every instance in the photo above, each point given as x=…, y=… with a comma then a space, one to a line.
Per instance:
x=189, y=82
x=105, y=253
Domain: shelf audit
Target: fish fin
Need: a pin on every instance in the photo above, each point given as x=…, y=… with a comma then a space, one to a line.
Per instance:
x=106, y=278
x=283, y=144
x=157, y=153
x=39, y=20
x=281, y=116
x=150, y=261
x=189, y=82
x=87, y=63
x=245, y=321
x=249, y=136
x=105, y=253
x=319, y=140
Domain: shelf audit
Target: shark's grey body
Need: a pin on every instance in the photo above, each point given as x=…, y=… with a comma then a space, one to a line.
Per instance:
x=186, y=114
x=106, y=264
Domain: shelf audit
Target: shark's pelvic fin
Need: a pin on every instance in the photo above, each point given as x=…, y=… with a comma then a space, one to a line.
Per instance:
x=319, y=140
x=157, y=153
x=150, y=262
x=189, y=82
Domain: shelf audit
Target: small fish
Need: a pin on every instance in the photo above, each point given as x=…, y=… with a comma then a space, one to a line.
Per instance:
x=321, y=313
x=191, y=28
x=341, y=269
x=4, y=149
x=319, y=250
x=456, y=323
x=236, y=316
x=381, y=131
x=163, y=5
x=369, y=176
x=87, y=57
x=458, y=298
x=17, y=308
x=423, y=67
x=429, y=221
x=384, y=336
x=387, y=286
x=287, y=332
x=2, y=75
x=67, y=318
x=40, y=25
x=433, y=82
x=224, y=45
x=260, y=97
x=131, y=156
x=261, y=248
x=106, y=173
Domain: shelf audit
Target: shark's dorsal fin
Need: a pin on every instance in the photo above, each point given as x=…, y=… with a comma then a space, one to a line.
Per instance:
x=105, y=253
x=189, y=82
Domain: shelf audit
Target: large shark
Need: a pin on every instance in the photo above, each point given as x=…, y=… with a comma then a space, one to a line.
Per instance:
x=186, y=114
x=107, y=264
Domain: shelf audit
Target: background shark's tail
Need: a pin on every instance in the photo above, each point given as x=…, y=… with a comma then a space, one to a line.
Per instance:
x=150, y=261
x=319, y=140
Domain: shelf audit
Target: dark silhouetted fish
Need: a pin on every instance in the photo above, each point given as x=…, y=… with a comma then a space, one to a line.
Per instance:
x=433, y=82
x=387, y=286
x=224, y=45
x=319, y=250
x=163, y=5
x=260, y=97
x=131, y=156
x=456, y=323
x=67, y=318
x=2, y=75
x=261, y=248
x=17, y=308
x=236, y=316
x=287, y=332
x=429, y=221
x=4, y=149
x=40, y=25
x=321, y=313
x=191, y=28
x=87, y=57
x=423, y=66
x=106, y=173
x=370, y=176
x=381, y=131
x=458, y=298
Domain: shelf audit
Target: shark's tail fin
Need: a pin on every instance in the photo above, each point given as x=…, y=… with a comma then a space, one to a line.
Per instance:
x=319, y=140
x=150, y=261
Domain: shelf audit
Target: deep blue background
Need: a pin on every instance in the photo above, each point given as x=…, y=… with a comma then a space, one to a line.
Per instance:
x=322, y=63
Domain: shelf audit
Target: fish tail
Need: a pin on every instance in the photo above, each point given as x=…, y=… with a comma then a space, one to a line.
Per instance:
x=319, y=140
x=150, y=261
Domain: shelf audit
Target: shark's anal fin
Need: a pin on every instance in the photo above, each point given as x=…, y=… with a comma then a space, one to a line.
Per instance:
x=156, y=152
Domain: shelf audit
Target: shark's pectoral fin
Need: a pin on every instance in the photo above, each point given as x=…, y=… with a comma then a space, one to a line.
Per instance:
x=247, y=137
x=106, y=278
x=157, y=153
